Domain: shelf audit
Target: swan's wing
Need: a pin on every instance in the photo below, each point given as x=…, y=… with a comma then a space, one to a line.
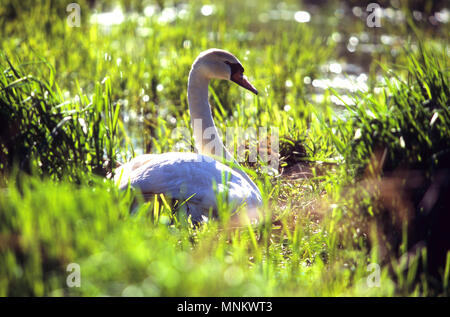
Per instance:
x=183, y=176
x=123, y=173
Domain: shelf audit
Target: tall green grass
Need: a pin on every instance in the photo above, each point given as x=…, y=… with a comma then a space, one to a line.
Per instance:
x=56, y=138
x=398, y=157
x=155, y=252
x=75, y=101
x=141, y=254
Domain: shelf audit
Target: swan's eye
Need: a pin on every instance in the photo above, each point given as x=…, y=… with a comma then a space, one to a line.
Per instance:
x=235, y=68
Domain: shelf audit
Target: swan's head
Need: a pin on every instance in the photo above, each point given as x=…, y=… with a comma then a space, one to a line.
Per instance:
x=219, y=64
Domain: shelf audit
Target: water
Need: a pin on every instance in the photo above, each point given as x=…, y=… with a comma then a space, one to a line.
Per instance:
x=357, y=48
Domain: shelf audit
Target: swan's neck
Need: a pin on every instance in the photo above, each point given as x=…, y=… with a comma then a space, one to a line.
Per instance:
x=206, y=135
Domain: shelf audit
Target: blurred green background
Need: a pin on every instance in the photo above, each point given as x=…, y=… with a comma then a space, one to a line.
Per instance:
x=356, y=107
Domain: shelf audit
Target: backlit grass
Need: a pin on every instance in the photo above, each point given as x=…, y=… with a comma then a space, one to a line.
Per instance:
x=76, y=101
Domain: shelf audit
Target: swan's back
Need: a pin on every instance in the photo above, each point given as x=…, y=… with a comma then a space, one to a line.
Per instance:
x=188, y=175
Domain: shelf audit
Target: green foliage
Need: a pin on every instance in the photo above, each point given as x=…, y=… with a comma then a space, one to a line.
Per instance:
x=45, y=226
x=410, y=121
x=140, y=254
x=74, y=101
x=42, y=132
x=399, y=154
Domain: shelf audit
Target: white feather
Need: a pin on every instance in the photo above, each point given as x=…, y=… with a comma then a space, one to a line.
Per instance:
x=190, y=176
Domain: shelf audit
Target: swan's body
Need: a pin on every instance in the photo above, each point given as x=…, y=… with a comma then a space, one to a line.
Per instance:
x=198, y=178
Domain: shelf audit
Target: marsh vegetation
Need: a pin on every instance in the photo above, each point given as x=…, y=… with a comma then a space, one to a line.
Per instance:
x=363, y=117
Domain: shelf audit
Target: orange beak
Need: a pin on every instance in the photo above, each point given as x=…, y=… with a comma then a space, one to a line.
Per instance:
x=242, y=81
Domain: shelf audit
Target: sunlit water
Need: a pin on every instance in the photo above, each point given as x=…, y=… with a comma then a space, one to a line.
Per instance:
x=347, y=75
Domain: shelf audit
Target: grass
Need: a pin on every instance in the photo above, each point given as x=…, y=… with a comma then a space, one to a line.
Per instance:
x=56, y=138
x=398, y=155
x=74, y=101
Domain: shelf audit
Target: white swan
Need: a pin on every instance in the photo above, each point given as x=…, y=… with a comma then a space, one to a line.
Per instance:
x=198, y=178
